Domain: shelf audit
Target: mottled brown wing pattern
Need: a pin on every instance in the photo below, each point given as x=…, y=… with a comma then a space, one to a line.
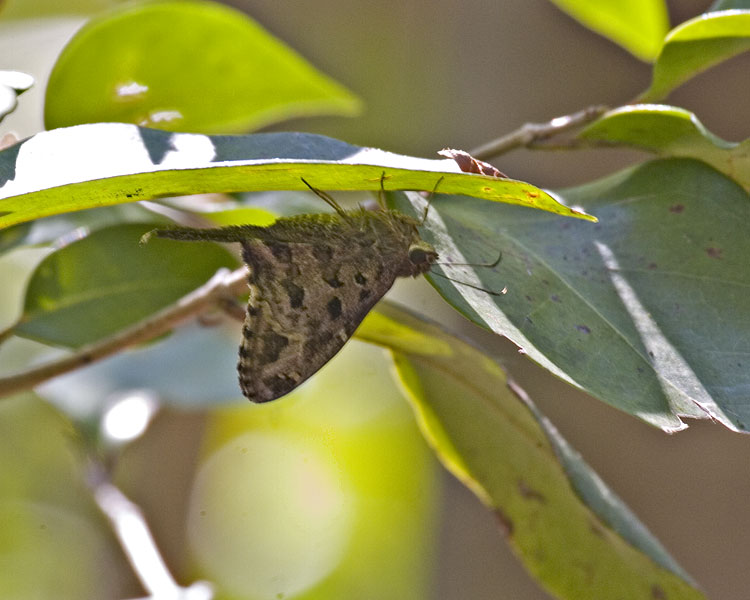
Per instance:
x=306, y=301
x=313, y=278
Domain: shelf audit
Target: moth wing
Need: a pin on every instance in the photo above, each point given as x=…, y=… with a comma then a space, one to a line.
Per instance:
x=306, y=301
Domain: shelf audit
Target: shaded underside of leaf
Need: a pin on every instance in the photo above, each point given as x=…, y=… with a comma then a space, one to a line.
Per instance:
x=646, y=310
x=494, y=443
x=110, y=163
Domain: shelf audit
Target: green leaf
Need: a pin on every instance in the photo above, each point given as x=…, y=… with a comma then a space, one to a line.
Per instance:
x=671, y=131
x=728, y=4
x=48, y=521
x=110, y=163
x=12, y=85
x=71, y=226
x=638, y=26
x=34, y=9
x=497, y=443
x=697, y=45
x=187, y=66
x=107, y=281
x=646, y=310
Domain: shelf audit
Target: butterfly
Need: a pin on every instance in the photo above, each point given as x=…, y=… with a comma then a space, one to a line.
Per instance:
x=313, y=278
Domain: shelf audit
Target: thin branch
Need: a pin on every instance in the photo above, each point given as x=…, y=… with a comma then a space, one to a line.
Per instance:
x=531, y=133
x=133, y=533
x=222, y=285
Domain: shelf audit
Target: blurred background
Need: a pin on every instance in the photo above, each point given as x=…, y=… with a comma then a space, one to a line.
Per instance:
x=431, y=74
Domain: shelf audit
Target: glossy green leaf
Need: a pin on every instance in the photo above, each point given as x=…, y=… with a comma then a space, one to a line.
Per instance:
x=647, y=310
x=497, y=444
x=110, y=163
x=671, y=131
x=12, y=85
x=638, y=26
x=185, y=66
x=102, y=283
x=697, y=45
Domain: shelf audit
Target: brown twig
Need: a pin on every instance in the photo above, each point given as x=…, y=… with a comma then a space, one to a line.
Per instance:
x=531, y=133
x=224, y=284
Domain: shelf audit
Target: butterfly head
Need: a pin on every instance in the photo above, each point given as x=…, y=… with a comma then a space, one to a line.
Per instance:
x=421, y=256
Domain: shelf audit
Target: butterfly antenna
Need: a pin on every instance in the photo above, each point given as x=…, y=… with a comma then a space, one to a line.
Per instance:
x=326, y=198
x=487, y=265
x=429, y=200
x=472, y=286
x=381, y=192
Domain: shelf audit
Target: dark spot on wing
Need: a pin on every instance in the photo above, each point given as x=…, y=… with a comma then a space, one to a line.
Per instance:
x=280, y=384
x=273, y=344
x=247, y=333
x=317, y=343
x=252, y=310
x=281, y=251
x=360, y=279
x=334, y=308
x=364, y=294
x=296, y=293
x=323, y=252
x=333, y=281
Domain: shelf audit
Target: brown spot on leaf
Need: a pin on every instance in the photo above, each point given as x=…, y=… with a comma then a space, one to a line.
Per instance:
x=530, y=493
x=583, y=329
x=714, y=252
x=677, y=208
x=658, y=593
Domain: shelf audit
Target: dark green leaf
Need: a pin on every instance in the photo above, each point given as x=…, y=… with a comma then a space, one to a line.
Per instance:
x=106, y=281
x=646, y=310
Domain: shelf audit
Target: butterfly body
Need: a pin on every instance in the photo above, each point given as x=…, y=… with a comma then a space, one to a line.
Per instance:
x=313, y=278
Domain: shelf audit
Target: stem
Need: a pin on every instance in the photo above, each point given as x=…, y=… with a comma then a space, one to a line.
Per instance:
x=132, y=531
x=530, y=133
x=221, y=286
